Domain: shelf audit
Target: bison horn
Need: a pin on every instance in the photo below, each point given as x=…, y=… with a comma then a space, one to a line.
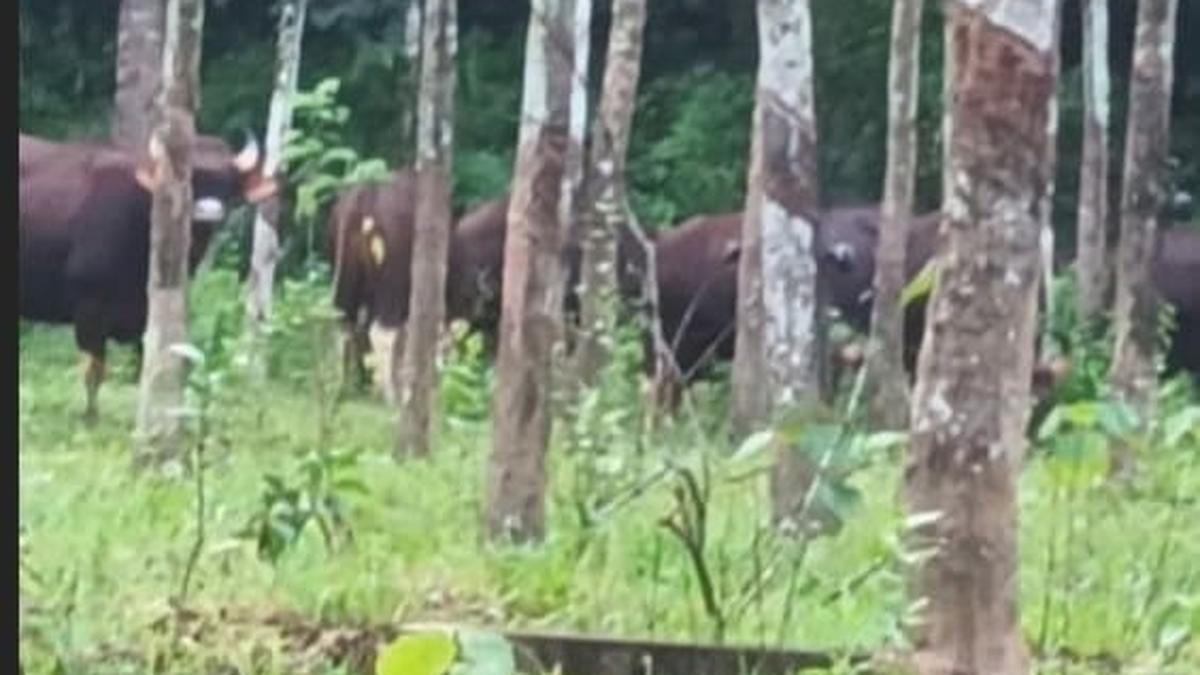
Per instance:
x=247, y=158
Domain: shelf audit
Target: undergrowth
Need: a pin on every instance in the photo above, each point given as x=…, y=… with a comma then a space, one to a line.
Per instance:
x=655, y=531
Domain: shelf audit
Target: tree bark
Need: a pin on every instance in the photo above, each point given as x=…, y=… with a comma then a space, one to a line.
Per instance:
x=889, y=393
x=531, y=303
x=781, y=214
x=1143, y=195
x=1091, y=265
x=971, y=400
x=431, y=238
x=1046, y=241
x=265, y=247
x=603, y=212
x=160, y=394
x=140, y=26
x=749, y=399
x=412, y=57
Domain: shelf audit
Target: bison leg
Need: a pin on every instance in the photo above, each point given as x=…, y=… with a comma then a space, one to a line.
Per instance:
x=385, y=344
x=93, y=376
x=90, y=337
x=354, y=344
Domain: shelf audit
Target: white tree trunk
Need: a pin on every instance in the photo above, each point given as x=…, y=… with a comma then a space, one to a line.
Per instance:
x=1134, y=375
x=431, y=238
x=160, y=394
x=531, y=307
x=265, y=248
x=889, y=394
x=781, y=208
x=603, y=213
x=412, y=56
x=1091, y=265
x=1046, y=241
x=783, y=203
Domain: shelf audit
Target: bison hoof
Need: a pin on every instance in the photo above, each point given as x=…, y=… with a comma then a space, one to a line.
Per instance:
x=90, y=417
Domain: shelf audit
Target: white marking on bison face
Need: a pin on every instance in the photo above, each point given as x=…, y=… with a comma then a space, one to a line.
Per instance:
x=842, y=254
x=208, y=210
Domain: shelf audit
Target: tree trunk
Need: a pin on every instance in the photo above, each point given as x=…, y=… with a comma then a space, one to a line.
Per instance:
x=139, y=67
x=603, y=212
x=1046, y=241
x=889, y=394
x=781, y=215
x=1143, y=195
x=749, y=400
x=435, y=143
x=265, y=248
x=971, y=400
x=160, y=393
x=1091, y=265
x=531, y=303
x=412, y=57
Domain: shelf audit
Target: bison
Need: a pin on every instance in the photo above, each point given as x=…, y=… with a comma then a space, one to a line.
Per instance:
x=1175, y=274
x=84, y=224
x=369, y=238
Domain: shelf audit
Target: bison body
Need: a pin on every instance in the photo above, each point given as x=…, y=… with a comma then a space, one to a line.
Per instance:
x=84, y=224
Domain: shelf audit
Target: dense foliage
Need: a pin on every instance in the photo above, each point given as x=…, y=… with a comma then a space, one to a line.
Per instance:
x=692, y=127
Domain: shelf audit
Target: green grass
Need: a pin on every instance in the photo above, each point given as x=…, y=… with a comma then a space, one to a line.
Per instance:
x=105, y=548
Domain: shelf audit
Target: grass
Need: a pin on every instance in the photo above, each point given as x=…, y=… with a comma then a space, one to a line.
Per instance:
x=1105, y=572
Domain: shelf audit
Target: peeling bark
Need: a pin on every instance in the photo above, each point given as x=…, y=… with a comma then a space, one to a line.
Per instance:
x=889, y=391
x=1092, y=249
x=604, y=193
x=139, y=67
x=1134, y=375
x=532, y=296
x=431, y=238
x=971, y=400
x=160, y=393
x=781, y=320
x=265, y=250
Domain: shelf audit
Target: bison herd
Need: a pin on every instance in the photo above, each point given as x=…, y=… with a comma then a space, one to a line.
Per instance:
x=85, y=236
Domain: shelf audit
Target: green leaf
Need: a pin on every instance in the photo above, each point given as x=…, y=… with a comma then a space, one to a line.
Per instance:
x=921, y=285
x=484, y=653
x=754, y=445
x=1186, y=422
x=417, y=654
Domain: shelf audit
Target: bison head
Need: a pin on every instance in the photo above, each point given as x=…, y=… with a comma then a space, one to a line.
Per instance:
x=220, y=178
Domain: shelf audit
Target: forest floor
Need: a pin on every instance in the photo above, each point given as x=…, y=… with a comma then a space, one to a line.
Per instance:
x=1109, y=575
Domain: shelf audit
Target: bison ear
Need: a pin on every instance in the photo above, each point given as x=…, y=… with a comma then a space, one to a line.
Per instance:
x=144, y=176
x=258, y=188
x=733, y=251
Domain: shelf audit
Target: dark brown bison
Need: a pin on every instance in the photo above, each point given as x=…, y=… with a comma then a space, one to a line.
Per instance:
x=85, y=234
x=1176, y=277
x=369, y=238
x=1175, y=274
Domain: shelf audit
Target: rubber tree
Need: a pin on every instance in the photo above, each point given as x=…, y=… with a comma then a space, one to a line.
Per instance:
x=265, y=251
x=778, y=332
x=604, y=207
x=418, y=381
x=1091, y=259
x=889, y=402
x=971, y=400
x=531, y=302
x=1134, y=375
x=138, y=70
x=160, y=392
